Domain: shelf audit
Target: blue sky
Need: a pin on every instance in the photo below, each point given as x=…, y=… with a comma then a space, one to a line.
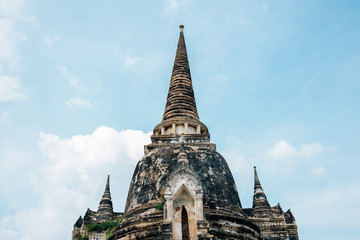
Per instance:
x=83, y=83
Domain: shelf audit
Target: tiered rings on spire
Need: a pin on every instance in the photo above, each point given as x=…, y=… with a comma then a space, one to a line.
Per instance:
x=105, y=210
x=181, y=100
x=180, y=115
x=260, y=203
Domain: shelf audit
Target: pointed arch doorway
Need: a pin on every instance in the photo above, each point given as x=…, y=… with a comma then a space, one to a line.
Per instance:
x=184, y=224
x=183, y=206
x=184, y=218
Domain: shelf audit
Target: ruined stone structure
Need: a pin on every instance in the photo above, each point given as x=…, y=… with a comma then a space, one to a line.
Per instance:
x=273, y=222
x=183, y=189
x=104, y=213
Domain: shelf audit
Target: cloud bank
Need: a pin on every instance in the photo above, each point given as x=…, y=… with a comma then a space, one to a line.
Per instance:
x=72, y=178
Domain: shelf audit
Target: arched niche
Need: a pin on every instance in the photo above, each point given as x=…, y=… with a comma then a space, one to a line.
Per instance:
x=184, y=214
x=183, y=193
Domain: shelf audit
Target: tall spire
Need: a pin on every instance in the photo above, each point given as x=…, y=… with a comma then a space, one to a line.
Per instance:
x=180, y=120
x=181, y=100
x=105, y=210
x=260, y=202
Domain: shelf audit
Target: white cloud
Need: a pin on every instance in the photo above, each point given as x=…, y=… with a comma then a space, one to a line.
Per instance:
x=50, y=41
x=72, y=80
x=281, y=157
x=319, y=170
x=282, y=150
x=284, y=155
x=104, y=145
x=311, y=150
x=10, y=89
x=9, y=36
x=72, y=178
x=11, y=8
x=78, y=103
x=129, y=61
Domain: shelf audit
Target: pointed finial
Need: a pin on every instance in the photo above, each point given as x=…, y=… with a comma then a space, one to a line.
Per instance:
x=257, y=185
x=181, y=28
x=107, y=188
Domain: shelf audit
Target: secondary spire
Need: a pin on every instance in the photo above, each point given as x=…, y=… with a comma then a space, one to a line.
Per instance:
x=260, y=203
x=105, y=210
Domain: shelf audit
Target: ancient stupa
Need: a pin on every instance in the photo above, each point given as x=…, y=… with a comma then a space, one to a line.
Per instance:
x=182, y=188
